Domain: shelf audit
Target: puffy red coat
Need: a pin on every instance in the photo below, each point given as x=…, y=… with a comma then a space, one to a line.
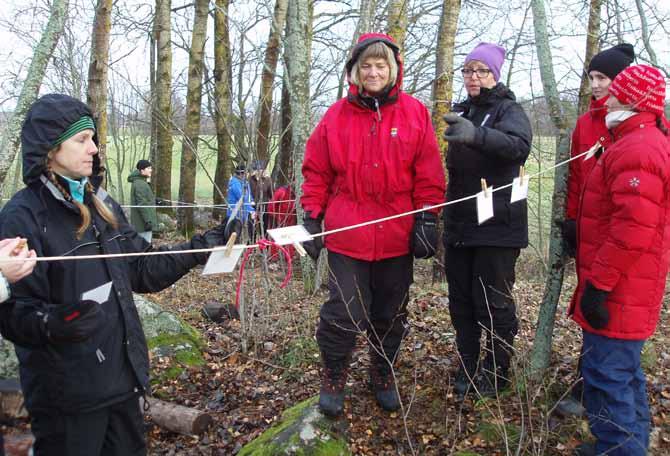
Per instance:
x=624, y=229
x=363, y=164
x=590, y=129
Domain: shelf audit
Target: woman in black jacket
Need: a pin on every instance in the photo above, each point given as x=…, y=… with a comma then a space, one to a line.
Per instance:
x=489, y=137
x=83, y=364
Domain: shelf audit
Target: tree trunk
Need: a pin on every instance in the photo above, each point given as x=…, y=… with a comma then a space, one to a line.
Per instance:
x=282, y=174
x=644, y=29
x=298, y=66
x=98, y=70
x=397, y=21
x=442, y=97
x=153, y=124
x=163, y=113
x=366, y=12
x=177, y=418
x=9, y=144
x=592, y=35
x=541, y=353
x=264, y=131
x=223, y=84
x=189, y=150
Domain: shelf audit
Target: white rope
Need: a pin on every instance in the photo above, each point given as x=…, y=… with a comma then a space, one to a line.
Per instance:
x=253, y=246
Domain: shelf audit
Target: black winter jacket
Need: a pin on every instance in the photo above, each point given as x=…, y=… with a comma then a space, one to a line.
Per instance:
x=112, y=365
x=502, y=144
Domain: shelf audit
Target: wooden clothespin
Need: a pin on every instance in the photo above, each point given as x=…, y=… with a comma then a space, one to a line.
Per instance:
x=485, y=188
x=522, y=173
x=300, y=249
x=230, y=244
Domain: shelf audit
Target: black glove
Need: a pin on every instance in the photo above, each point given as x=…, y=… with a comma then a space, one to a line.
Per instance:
x=313, y=226
x=148, y=226
x=160, y=202
x=593, y=306
x=424, y=235
x=569, y=232
x=76, y=322
x=460, y=129
x=215, y=237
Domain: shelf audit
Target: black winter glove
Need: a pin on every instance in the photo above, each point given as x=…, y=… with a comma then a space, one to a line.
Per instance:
x=593, y=306
x=569, y=232
x=460, y=129
x=313, y=226
x=424, y=235
x=215, y=237
x=148, y=226
x=74, y=322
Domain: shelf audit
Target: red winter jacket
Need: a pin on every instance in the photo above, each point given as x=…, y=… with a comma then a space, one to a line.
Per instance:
x=624, y=229
x=590, y=129
x=363, y=164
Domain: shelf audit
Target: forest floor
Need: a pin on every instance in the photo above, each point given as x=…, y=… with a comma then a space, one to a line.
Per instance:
x=246, y=392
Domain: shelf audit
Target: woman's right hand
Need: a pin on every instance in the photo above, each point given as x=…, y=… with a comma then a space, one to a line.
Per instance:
x=16, y=248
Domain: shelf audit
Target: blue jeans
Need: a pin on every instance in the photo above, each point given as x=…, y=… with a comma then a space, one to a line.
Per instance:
x=615, y=395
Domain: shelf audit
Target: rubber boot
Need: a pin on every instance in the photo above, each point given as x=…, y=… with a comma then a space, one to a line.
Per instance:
x=383, y=384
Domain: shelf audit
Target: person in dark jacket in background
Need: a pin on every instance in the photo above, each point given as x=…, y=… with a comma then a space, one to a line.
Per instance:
x=83, y=363
x=623, y=254
x=589, y=131
x=374, y=154
x=144, y=219
x=489, y=137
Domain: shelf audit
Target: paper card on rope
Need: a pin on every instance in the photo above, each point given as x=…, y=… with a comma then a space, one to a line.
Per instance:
x=219, y=263
x=519, y=188
x=484, y=205
x=98, y=294
x=290, y=235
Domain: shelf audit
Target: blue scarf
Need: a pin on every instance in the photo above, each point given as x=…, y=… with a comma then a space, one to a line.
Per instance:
x=77, y=188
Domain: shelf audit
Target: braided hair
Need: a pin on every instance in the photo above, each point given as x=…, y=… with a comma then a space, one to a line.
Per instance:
x=100, y=206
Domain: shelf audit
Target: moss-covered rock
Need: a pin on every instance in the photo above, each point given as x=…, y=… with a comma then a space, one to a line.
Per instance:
x=303, y=430
x=9, y=364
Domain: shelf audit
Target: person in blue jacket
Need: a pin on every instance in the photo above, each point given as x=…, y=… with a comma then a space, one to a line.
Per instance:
x=239, y=188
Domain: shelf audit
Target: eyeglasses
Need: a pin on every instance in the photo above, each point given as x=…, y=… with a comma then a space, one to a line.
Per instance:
x=481, y=72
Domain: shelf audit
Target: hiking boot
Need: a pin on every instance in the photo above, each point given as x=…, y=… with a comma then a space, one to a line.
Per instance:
x=491, y=383
x=465, y=376
x=383, y=385
x=331, y=396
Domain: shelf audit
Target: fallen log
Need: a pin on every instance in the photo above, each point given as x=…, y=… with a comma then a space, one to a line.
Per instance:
x=177, y=418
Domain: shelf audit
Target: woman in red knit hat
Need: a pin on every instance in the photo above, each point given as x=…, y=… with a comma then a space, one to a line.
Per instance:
x=622, y=258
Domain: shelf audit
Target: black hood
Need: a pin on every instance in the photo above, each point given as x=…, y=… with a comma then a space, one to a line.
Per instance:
x=47, y=119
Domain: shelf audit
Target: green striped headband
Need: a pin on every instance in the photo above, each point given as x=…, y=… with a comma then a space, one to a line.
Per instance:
x=85, y=123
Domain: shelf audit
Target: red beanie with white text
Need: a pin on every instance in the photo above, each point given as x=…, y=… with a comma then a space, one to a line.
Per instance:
x=642, y=87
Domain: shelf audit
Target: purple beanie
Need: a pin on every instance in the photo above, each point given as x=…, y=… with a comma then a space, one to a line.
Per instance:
x=490, y=54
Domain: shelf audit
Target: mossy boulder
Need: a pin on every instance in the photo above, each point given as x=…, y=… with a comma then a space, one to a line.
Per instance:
x=302, y=430
x=9, y=364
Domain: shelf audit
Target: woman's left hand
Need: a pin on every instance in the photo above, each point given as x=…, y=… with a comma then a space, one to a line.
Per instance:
x=17, y=270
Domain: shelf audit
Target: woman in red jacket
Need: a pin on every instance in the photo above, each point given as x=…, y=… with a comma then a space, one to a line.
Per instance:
x=622, y=261
x=374, y=154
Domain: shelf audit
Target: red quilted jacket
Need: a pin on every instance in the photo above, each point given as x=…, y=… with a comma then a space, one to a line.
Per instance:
x=624, y=229
x=590, y=129
x=363, y=164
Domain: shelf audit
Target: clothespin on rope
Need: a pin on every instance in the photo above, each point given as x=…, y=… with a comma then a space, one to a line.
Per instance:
x=230, y=244
x=521, y=173
x=300, y=249
x=485, y=188
x=593, y=150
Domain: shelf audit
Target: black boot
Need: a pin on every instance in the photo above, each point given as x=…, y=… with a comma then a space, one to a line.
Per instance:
x=491, y=382
x=383, y=384
x=465, y=376
x=333, y=378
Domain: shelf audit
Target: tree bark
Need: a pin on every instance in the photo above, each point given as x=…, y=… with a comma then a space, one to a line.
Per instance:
x=366, y=13
x=592, y=35
x=9, y=144
x=442, y=98
x=644, y=28
x=298, y=66
x=542, y=344
x=189, y=150
x=223, y=84
x=163, y=113
x=98, y=70
x=264, y=131
x=397, y=21
x=282, y=174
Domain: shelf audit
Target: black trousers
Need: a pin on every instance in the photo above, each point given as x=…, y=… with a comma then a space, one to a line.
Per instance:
x=116, y=430
x=480, y=281
x=365, y=297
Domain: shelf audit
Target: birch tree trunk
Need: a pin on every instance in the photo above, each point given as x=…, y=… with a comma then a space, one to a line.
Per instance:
x=222, y=89
x=264, y=131
x=9, y=144
x=541, y=353
x=163, y=111
x=592, y=36
x=397, y=21
x=97, y=72
x=644, y=28
x=442, y=98
x=189, y=149
x=297, y=60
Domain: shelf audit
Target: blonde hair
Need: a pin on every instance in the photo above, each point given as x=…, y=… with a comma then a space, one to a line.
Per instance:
x=100, y=206
x=376, y=50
